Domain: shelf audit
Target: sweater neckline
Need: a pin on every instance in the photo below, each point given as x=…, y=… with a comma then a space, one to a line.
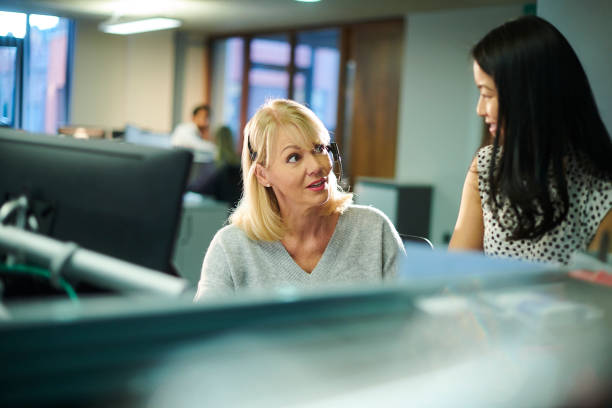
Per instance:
x=326, y=261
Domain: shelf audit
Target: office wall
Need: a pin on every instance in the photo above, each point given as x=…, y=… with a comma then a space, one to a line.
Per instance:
x=586, y=25
x=150, y=73
x=99, y=78
x=195, y=74
x=439, y=130
x=190, y=75
x=123, y=79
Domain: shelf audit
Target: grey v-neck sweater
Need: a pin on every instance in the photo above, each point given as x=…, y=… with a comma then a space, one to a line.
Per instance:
x=364, y=247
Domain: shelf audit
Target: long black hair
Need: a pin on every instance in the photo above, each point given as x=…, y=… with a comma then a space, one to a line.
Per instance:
x=547, y=115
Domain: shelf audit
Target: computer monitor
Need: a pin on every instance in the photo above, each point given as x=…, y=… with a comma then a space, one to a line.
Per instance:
x=117, y=199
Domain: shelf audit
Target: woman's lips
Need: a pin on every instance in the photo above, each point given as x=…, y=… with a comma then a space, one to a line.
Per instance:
x=317, y=185
x=492, y=128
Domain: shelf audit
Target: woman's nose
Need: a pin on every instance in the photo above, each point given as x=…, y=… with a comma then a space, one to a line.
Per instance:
x=480, y=108
x=318, y=164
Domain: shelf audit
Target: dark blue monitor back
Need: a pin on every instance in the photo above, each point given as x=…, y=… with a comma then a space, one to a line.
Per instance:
x=117, y=199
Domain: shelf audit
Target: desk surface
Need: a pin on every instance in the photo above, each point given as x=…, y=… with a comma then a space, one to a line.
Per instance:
x=354, y=347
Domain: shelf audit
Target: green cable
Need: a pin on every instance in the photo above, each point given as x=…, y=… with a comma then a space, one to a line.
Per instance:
x=32, y=270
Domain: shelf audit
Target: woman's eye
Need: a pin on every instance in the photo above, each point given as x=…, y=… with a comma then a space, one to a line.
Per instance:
x=293, y=158
x=319, y=148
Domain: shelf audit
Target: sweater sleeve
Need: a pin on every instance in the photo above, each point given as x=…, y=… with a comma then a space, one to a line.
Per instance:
x=215, y=278
x=393, y=250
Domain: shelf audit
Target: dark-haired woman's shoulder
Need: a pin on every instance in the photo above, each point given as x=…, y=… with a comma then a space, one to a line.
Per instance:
x=483, y=158
x=486, y=150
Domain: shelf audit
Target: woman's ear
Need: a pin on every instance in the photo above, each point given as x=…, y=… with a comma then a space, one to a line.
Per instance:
x=260, y=173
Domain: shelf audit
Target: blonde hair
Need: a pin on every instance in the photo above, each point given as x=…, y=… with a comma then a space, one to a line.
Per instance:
x=258, y=213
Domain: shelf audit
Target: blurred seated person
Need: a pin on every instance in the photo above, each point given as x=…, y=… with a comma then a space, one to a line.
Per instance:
x=543, y=188
x=195, y=135
x=294, y=225
x=223, y=181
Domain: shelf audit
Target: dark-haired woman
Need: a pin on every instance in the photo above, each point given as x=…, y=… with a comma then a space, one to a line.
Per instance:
x=543, y=188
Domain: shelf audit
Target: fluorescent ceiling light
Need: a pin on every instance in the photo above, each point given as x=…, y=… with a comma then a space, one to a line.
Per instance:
x=139, y=26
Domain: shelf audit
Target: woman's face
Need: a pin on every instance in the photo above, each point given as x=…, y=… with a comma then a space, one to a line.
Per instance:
x=298, y=174
x=487, y=106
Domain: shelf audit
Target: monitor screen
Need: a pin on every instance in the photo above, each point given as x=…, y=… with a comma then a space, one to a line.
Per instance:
x=117, y=199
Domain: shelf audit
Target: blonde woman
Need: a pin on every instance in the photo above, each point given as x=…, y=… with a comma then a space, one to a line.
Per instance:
x=294, y=225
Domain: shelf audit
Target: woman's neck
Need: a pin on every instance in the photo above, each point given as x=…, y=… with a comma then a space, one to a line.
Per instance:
x=308, y=223
x=308, y=235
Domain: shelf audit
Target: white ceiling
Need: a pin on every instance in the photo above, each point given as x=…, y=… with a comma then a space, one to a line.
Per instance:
x=230, y=16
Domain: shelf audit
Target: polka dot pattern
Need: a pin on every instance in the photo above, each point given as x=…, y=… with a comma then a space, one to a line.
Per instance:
x=590, y=200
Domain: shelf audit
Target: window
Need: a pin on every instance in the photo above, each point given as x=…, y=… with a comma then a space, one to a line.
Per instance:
x=302, y=65
x=317, y=64
x=34, y=71
x=268, y=74
x=12, y=32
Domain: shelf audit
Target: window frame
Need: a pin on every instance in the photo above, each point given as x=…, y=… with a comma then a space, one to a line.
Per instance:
x=292, y=69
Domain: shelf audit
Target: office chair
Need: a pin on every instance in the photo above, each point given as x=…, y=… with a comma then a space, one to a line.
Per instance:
x=415, y=239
